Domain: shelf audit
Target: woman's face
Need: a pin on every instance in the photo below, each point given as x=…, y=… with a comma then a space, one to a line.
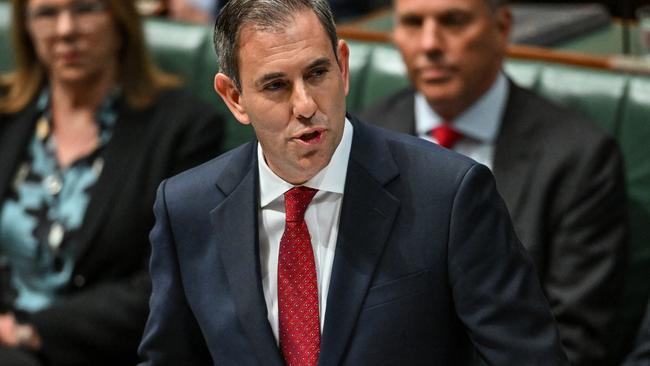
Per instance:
x=76, y=40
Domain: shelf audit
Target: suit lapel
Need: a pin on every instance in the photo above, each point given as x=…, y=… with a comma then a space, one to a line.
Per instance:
x=124, y=143
x=14, y=139
x=516, y=147
x=367, y=216
x=236, y=220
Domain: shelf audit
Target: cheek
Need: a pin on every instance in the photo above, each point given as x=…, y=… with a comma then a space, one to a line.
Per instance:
x=267, y=117
x=42, y=49
x=42, y=53
x=107, y=44
x=407, y=49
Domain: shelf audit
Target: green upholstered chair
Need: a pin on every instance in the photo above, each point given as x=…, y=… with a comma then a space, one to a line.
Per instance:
x=360, y=54
x=384, y=74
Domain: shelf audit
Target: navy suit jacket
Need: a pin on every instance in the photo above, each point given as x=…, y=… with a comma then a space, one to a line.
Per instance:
x=427, y=268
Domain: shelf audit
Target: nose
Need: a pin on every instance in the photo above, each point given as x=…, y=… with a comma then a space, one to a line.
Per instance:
x=64, y=23
x=431, y=38
x=304, y=106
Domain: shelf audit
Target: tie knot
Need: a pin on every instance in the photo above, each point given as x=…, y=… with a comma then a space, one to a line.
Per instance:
x=445, y=135
x=296, y=201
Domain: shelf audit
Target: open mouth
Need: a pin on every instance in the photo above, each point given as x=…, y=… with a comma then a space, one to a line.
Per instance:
x=311, y=137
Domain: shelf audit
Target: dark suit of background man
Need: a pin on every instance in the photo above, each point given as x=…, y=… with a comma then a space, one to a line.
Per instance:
x=408, y=253
x=560, y=176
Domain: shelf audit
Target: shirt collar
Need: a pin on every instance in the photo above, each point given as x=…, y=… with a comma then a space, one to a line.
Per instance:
x=480, y=121
x=330, y=179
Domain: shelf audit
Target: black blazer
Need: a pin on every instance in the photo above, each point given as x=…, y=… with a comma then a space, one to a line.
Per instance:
x=426, y=268
x=101, y=315
x=563, y=183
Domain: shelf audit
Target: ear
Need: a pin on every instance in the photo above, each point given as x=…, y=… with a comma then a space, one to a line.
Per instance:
x=343, y=52
x=504, y=23
x=225, y=87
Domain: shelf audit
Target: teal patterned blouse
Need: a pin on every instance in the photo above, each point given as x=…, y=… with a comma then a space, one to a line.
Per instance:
x=41, y=216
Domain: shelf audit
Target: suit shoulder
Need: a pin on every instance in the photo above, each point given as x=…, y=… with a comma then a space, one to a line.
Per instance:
x=557, y=120
x=204, y=176
x=573, y=136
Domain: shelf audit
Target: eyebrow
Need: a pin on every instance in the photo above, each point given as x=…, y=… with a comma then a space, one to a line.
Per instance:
x=323, y=61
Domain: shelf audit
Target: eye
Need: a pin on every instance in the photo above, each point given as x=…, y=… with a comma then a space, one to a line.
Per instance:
x=44, y=12
x=455, y=19
x=87, y=7
x=274, y=86
x=318, y=73
x=411, y=20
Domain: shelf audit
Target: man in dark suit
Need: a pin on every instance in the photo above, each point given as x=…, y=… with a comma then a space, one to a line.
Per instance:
x=561, y=177
x=328, y=241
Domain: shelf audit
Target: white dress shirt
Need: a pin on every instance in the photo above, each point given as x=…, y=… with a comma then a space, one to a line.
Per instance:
x=479, y=124
x=322, y=217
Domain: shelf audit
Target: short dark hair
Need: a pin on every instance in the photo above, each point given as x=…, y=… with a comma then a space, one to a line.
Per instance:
x=266, y=15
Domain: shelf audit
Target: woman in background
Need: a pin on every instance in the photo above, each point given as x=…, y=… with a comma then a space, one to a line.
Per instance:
x=88, y=129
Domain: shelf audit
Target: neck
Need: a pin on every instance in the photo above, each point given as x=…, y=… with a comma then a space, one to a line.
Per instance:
x=82, y=95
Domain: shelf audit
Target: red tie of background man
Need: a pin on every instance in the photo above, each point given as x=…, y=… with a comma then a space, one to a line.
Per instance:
x=445, y=135
x=297, y=286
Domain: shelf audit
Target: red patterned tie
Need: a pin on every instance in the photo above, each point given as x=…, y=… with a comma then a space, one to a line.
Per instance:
x=445, y=135
x=297, y=286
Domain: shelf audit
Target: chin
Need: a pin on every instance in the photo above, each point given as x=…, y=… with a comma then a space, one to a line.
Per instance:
x=443, y=93
x=310, y=167
x=70, y=76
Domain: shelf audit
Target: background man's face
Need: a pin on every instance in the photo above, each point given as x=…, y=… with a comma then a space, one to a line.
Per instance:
x=453, y=49
x=293, y=93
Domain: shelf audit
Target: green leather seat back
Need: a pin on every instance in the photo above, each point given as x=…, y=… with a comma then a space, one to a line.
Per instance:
x=385, y=74
x=596, y=93
x=360, y=53
x=6, y=56
x=176, y=46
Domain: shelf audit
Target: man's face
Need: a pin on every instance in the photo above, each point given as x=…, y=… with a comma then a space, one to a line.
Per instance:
x=453, y=49
x=293, y=93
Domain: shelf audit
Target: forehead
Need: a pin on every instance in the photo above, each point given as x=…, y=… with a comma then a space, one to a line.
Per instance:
x=424, y=7
x=301, y=40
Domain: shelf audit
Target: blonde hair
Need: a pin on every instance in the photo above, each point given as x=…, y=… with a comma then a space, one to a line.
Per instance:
x=138, y=76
